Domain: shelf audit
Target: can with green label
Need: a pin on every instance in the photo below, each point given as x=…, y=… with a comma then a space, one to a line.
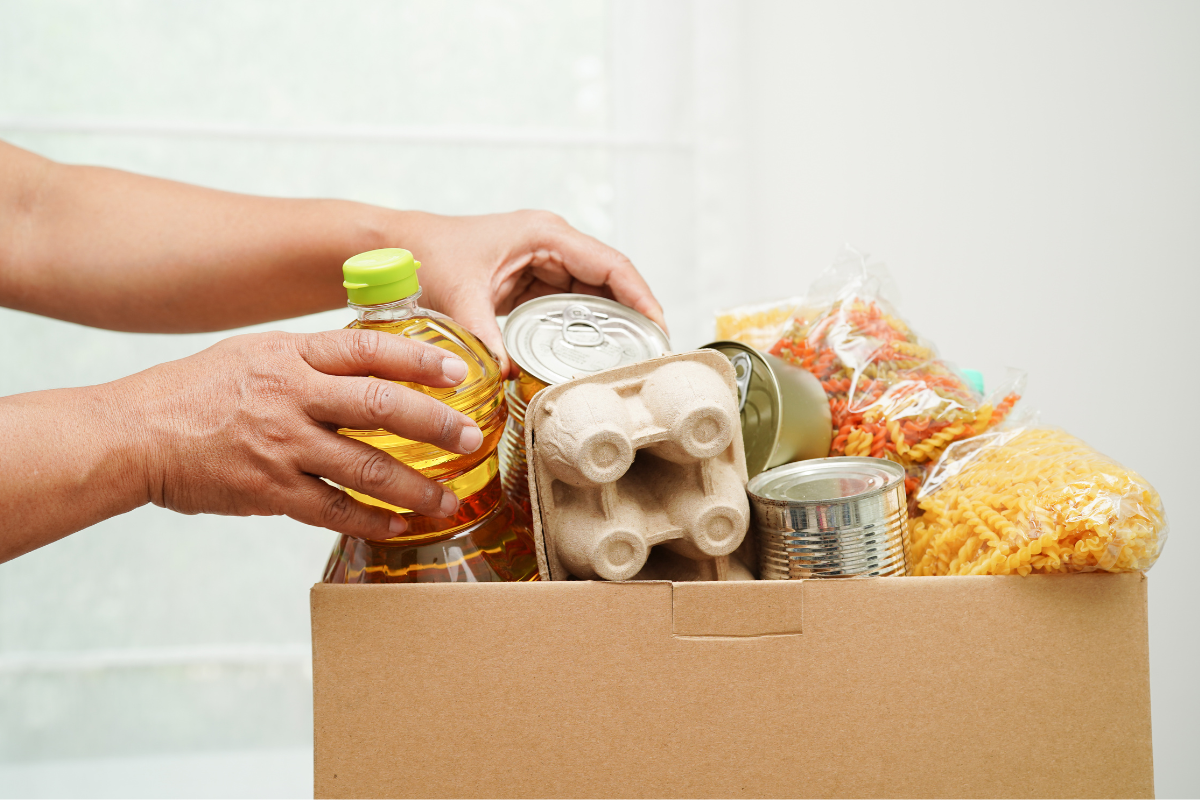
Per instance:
x=784, y=409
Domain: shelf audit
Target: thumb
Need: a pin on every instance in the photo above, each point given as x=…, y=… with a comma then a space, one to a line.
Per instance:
x=478, y=315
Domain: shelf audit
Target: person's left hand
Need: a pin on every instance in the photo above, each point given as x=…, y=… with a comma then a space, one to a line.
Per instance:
x=475, y=268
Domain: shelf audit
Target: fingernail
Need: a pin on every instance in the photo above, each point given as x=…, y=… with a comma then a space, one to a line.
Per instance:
x=397, y=525
x=470, y=439
x=449, y=503
x=454, y=368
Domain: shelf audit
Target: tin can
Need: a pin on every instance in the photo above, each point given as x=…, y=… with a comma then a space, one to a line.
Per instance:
x=556, y=338
x=514, y=467
x=830, y=518
x=784, y=409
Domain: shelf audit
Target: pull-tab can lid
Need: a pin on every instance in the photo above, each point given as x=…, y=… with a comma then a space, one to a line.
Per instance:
x=564, y=336
x=826, y=480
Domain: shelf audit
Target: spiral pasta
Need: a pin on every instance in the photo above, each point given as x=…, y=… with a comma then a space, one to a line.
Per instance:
x=1034, y=500
x=756, y=325
x=889, y=394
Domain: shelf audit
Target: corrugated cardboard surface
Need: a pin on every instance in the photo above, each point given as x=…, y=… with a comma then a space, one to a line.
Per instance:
x=896, y=687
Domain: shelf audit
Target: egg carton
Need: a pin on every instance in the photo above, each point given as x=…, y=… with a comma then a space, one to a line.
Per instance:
x=639, y=472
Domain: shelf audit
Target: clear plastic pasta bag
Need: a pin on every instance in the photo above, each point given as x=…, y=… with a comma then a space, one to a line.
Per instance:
x=890, y=395
x=1033, y=500
x=758, y=325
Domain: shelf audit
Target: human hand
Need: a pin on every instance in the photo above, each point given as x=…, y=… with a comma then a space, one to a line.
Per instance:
x=247, y=426
x=474, y=268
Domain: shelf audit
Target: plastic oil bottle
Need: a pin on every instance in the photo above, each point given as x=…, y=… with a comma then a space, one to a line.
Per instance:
x=486, y=539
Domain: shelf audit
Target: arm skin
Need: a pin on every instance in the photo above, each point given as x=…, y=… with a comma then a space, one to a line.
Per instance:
x=128, y=252
x=244, y=427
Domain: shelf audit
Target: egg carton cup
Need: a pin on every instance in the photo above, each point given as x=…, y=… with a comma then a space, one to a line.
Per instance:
x=639, y=472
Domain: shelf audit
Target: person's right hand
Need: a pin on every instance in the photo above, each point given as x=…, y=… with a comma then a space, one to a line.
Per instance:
x=247, y=426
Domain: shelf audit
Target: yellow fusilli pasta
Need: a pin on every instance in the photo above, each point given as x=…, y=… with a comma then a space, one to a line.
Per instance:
x=756, y=325
x=1033, y=500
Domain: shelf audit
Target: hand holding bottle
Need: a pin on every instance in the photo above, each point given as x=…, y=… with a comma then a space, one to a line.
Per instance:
x=244, y=428
x=169, y=257
x=487, y=540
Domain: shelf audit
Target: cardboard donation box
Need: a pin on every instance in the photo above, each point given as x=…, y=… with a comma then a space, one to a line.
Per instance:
x=892, y=687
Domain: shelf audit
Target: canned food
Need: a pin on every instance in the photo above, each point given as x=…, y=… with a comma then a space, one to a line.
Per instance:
x=514, y=468
x=784, y=409
x=556, y=338
x=830, y=517
x=563, y=336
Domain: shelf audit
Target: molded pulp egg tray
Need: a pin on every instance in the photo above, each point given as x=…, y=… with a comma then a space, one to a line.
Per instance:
x=639, y=472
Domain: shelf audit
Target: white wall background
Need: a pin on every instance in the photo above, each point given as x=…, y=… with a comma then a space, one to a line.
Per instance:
x=1030, y=172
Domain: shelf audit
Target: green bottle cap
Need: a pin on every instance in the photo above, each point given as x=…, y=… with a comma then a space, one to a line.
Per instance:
x=974, y=378
x=380, y=276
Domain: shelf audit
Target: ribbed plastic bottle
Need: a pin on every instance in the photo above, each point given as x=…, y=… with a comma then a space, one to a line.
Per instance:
x=485, y=540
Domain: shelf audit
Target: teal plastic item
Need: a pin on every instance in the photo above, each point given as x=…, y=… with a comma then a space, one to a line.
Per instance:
x=975, y=378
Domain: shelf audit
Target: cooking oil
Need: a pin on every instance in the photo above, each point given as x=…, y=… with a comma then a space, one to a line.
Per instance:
x=480, y=396
x=496, y=546
x=485, y=540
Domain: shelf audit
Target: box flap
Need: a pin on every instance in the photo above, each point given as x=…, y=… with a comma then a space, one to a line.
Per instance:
x=737, y=609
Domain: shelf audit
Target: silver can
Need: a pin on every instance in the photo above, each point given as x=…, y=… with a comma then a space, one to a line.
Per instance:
x=830, y=518
x=556, y=338
x=564, y=336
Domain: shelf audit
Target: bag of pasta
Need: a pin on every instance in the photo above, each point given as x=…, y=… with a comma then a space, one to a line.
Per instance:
x=1033, y=500
x=890, y=395
x=757, y=325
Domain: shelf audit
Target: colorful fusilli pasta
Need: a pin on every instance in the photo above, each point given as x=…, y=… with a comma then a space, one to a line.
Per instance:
x=890, y=396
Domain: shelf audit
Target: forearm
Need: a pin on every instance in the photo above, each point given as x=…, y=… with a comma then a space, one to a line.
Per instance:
x=69, y=459
x=128, y=252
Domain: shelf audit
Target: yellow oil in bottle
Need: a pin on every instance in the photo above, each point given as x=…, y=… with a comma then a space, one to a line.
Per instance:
x=480, y=396
x=495, y=546
x=486, y=539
